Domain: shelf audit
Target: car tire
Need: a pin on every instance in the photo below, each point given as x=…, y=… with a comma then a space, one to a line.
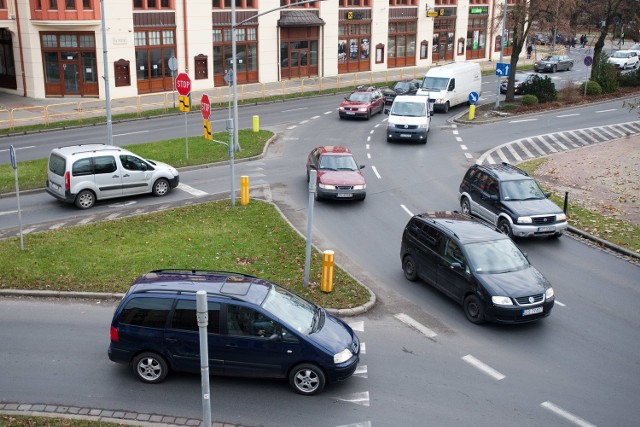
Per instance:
x=150, y=368
x=554, y=69
x=465, y=206
x=505, y=227
x=317, y=196
x=424, y=142
x=368, y=114
x=570, y=67
x=85, y=199
x=161, y=187
x=556, y=235
x=307, y=379
x=474, y=309
x=445, y=109
x=410, y=268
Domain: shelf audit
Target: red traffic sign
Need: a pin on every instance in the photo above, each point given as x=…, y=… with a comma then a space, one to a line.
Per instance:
x=205, y=106
x=183, y=84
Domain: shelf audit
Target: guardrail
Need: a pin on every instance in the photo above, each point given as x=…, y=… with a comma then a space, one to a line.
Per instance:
x=220, y=96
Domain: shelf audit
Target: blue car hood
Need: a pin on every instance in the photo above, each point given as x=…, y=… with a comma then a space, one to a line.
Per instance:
x=334, y=336
x=528, y=281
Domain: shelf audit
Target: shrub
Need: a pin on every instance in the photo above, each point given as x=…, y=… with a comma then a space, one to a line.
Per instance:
x=542, y=87
x=529, y=100
x=630, y=79
x=593, y=88
x=570, y=93
x=605, y=74
x=508, y=107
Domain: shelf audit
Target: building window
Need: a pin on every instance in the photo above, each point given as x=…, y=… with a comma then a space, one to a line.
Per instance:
x=401, y=46
x=404, y=2
x=240, y=4
x=313, y=5
x=70, y=4
x=53, y=4
x=424, y=49
x=152, y=4
x=153, y=50
x=355, y=3
x=444, y=28
x=476, y=35
x=353, y=46
x=246, y=54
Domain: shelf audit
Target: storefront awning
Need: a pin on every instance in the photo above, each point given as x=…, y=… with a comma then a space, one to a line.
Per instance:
x=299, y=18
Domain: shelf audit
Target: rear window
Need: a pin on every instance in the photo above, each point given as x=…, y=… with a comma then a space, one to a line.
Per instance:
x=149, y=312
x=57, y=164
x=104, y=164
x=82, y=167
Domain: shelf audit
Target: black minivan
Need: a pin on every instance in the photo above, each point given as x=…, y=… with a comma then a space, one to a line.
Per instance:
x=477, y=266
x=255, y=328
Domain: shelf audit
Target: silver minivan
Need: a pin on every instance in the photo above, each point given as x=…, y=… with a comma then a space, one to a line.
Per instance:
x=83, y=174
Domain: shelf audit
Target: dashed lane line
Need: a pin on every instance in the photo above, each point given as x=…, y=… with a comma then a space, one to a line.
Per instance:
x=566, y=415
x=407, y=320
x=483, y=367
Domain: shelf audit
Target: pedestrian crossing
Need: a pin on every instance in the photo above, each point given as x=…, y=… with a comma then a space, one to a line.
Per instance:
x=532, y=147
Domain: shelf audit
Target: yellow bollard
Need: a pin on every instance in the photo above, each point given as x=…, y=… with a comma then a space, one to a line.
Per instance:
x=244, y=190
x=326, y=284
x=472, y=111
x=256, y=123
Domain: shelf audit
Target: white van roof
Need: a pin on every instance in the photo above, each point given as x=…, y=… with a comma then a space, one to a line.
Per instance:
x=454, y=67
x=410, y=98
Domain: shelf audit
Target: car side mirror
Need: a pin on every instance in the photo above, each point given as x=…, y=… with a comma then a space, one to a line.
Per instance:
x=430, y=113
x=457, y=266
x=313, y=167
x=361, y=166
x=494, y=198
x=547, y=194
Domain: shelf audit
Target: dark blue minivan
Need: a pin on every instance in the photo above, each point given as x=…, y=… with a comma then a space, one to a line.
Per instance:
x=256, y=328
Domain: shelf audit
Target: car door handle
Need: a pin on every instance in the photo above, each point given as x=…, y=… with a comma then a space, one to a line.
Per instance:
x=126, y=176
x=231, y=345
x=115, y=176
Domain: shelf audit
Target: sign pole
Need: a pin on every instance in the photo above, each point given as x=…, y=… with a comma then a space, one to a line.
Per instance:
x=14, y=165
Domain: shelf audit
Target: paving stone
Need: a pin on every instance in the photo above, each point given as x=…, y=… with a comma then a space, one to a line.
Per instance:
x=50, y=408
x=130, y=416
x=118, y=414
x=95, y=412
x=24, y=407
x=143, y=417
x=37, y=408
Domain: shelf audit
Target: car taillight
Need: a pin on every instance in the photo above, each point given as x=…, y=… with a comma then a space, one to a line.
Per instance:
x=67, y=181
x=114, y=335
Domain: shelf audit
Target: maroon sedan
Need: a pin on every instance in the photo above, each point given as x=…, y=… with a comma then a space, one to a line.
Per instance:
x=363, y=103
x=339, y=176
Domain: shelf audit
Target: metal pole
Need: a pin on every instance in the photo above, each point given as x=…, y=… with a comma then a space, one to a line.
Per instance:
x=186, y=132
x=313, y=175
x=106, y=75
x=15, y=172
x=233, y=189
x=236, y=146
x=504, y=27
x=202, y=314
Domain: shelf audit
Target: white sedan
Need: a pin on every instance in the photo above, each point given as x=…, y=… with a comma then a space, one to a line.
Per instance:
x=624, y=59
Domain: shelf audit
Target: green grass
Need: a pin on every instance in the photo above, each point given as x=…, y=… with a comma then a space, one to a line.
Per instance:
x=32, y=421
x=33, y=174
x=611, y=229
x=106, y=257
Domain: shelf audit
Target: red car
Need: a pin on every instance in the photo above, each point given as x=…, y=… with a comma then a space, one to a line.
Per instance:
x=339, y=176
x=363, y=103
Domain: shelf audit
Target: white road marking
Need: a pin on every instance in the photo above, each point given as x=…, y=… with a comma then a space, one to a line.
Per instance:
x=483, y=367
x=468, y=155
x=28, y=230
x=376, y=172
x=357, y=398
x=294, y=109
x=361, y=371
x=292, y=127
x=8, y=212
x=112, y=216
x=191, y=190
x=462, y=146
x=523, y=120
x=131, y=133
x=303, y=122
x=18, y=148
x=368, y=138
x=456, y=132
x=363, y=348
x=569, y=115
x=607, y=111
x=566, y=415
x=363, y=424
x=315, y=117
x=458, y=139
x=86, y=220
x=406, y=210
x=58, y=225
x=357, y=326
x=366, y=146
x=560, y=304
x=415, y=324
x=378, y=124
x=329, y=112
x=369, y=156
x=371, y=133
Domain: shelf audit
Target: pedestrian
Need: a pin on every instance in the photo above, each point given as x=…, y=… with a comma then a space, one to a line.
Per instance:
x=622, y=38
x=583, y=40
x=529, y=50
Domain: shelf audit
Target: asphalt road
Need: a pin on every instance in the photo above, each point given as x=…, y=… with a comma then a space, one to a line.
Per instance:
x=576, y=367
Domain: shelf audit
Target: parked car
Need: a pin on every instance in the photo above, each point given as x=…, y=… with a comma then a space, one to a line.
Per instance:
x=403, y=87
x=475, y=265
x=338, y=174
x=84, y=174
x=623, y=59
x=255, y=328
x=635, y=48
x=363, y=103
x=521, y=78
x=510, y=199
x=553, y=63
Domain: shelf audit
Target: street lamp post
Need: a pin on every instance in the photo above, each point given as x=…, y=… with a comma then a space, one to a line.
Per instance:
x=106, y=75
x=502, y=39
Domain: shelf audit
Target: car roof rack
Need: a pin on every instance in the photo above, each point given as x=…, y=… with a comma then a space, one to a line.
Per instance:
x=198, y=272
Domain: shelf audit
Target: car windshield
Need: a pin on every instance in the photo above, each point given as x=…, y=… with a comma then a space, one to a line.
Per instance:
x=338, y=163
x=409, y=109
x=621, y=54
x=359, y=97
x=550, y=58
x=495, y=256
x=296, y=312
x=402, y=86
x=521, y=189
x=435, y=83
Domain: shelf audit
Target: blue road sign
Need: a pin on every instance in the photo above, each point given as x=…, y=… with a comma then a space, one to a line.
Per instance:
x=502, y=69
x=12, y=155
x=473, y=97
x=588, y=61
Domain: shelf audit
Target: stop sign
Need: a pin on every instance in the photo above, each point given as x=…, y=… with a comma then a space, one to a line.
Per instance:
x=205, y=106
x=183, y=84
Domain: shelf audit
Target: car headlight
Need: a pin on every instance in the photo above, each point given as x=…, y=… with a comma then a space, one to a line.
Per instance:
x=525, y=220
x=548, y=294
x=499, y=300
x=362, y=109
x=359, y=187
x=327, y=186
x=343, y=356
x=440, y=101
x=561, y=217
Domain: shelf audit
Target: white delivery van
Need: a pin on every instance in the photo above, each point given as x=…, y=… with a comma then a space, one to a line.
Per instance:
x=451, y=84
x=409, y=118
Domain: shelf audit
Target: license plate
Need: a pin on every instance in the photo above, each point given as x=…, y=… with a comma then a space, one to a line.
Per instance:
x=345, y=195
x=405, y=135
x=529, y=311
x=351, y=113
x=546, y=229
x=56, y=186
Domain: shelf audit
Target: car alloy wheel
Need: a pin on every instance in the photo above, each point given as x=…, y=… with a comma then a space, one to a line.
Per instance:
x=160, y=187
x=85, y=199
x=465, y=206
x=150, y=367
x=307, y=379
x=505, y=227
